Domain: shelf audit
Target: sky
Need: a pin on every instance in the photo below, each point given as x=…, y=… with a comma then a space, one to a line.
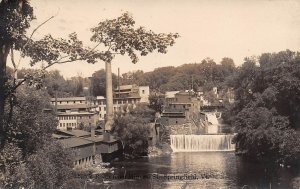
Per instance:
x=207, y=28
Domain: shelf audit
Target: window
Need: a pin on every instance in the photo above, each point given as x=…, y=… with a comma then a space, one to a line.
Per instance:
x=104, y=108
x=100, y=108
x=143, y=91
x=64, y=124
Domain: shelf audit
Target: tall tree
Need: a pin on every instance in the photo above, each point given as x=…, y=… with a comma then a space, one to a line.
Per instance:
x=120, y=36
x=266, y=112
x=15, y=17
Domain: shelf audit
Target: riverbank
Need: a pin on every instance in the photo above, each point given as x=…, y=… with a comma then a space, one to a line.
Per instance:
x=160, y=150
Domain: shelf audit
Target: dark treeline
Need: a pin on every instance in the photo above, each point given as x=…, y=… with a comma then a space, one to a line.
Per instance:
x=266, y=114
x=197, y=76
x=204, y=75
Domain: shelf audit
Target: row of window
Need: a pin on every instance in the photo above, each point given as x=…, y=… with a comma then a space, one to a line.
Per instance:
x=70, y=124
x=67, y=124
x=133, y=101
x=67, y=102
x=70, y=117
x=115, y=108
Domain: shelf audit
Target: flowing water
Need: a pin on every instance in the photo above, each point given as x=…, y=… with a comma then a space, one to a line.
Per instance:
x=198, y=162
x=196, y=170
x=190, y=143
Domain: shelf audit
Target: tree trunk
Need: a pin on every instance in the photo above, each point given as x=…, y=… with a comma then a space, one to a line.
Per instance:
x=3, y=57
x=109, y=98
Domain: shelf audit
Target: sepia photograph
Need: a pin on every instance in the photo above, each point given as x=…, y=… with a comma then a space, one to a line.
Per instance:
x=149, y=94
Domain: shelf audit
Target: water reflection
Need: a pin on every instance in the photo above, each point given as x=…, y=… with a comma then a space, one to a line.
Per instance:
x=212, y=170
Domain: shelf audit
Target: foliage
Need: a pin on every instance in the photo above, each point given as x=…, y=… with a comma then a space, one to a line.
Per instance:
x=31, y=126
x=121, y=37
x=266, y=112
x=198, y=76
x=98, y=82
x=30, y=157
x=50, y=166
x=132, y=127
x=16, y=173
x=156, y=102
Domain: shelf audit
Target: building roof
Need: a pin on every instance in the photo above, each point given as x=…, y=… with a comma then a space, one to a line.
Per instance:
x=59, y=136
x=100, y=139
x=74, y=142
x=124, y=98
x=124, y=87
x=75, y=113
x=180, y=103
x=75, y=132
x=71, y=106
x=100, y=97
x=69, y=99
x=171, y=94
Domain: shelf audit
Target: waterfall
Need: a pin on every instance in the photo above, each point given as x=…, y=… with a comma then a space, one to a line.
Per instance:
x=188, y=143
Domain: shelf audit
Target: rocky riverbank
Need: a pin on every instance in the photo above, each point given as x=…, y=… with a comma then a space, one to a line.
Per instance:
x=160, y=150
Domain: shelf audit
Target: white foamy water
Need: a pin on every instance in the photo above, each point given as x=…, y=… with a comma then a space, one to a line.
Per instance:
x=190, y=143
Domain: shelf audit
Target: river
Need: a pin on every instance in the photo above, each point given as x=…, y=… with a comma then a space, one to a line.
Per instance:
x=197, y=170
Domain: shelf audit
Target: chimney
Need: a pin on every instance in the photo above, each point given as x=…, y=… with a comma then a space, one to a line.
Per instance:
x=92, y=132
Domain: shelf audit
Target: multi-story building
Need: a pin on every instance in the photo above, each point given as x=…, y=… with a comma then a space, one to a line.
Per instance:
x=123, y=95
x=126, y=91
x=69, y=100
x=180, y=108
x=73, y=112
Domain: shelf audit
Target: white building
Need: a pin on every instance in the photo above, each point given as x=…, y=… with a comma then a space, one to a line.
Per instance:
x=123, y=95
x=73, y=111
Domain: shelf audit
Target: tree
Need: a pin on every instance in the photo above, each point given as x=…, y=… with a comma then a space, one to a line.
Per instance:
x=51, y=166
x=133, y=77
x=98, y=82
x=266, y=112
x=156, y=102
x=15, y=17
x=131, y=127
x=31, y=126
x=121, y=37
x=30, y=156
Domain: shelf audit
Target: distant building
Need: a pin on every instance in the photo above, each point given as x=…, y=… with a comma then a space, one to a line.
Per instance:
x=127, y=91
x=183, y=107
x=124, y=95
x=69, y=100
x=72, y=112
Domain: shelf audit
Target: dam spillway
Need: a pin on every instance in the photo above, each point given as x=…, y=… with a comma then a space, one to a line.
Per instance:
x=202, y=143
